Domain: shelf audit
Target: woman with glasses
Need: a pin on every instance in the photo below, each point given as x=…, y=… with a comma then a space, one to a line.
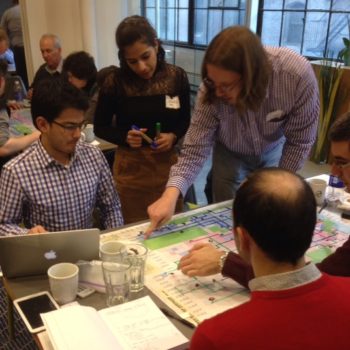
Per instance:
x=144, y=108
x=258, y=106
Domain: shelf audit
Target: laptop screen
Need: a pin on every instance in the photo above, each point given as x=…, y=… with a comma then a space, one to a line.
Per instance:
x=33, y=254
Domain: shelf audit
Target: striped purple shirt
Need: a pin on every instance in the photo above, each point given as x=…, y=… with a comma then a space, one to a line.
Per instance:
x=37, y=190
x=290, y=112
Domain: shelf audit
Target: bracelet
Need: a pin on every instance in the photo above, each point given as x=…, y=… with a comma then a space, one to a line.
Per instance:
x=222, y=260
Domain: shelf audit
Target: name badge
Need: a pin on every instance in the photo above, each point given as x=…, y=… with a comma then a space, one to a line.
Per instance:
x=172, y=102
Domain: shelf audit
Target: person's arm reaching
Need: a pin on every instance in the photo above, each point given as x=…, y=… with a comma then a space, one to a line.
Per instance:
x=16, y=144
x=204, y=260
x=162, y=210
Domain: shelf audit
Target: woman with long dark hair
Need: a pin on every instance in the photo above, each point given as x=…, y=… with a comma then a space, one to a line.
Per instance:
x=145, y=96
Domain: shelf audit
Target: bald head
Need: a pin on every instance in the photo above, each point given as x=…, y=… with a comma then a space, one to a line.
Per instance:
x=278, y=210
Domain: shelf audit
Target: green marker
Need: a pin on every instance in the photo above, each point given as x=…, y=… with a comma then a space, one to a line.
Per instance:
x=158, y=128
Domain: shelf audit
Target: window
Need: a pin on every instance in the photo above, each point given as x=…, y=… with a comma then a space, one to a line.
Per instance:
x=314, y=28
x=192, y=22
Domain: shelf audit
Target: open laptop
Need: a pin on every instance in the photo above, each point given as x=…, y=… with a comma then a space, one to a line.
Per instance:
x=33, y=254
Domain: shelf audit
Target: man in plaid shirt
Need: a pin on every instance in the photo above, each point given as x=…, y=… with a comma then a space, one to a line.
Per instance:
x=56, y=184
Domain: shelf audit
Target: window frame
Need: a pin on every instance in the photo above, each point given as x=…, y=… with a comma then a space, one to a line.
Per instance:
x=328, y=11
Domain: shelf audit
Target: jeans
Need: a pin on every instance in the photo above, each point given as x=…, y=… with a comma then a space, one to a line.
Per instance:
x=229, y=169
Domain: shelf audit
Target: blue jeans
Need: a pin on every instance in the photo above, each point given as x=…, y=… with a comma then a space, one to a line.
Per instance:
x=229, y=169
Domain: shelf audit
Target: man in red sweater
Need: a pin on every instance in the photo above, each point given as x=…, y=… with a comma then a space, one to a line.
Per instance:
x=293, y=305
x=205, y=259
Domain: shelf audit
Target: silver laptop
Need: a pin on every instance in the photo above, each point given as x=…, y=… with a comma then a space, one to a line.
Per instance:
x=33, y=254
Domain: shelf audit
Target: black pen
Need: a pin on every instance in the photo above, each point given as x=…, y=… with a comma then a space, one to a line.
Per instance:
x=175, y=317
x=324, y=205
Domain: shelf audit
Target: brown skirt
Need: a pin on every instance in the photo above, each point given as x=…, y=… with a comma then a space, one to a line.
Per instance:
x=140, y=176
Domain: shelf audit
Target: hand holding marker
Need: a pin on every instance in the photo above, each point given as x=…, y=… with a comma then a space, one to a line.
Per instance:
x=146, y=137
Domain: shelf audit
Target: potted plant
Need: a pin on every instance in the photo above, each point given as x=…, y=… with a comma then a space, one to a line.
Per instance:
x=329, y=78
x=344, y=54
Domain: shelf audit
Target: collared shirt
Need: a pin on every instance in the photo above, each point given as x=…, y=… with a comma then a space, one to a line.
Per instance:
x=286, y=280
x=37, y=190
x=4, y=127
x=57, y=70
x=288, y=114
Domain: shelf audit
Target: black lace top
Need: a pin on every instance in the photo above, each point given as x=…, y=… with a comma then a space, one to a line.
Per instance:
x=164, y=98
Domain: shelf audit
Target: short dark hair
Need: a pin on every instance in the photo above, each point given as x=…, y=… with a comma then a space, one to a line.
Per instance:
x=340, y=129
x=82, y=66
x=133, y=29
x=51, y=97
x=3, y=67
x=278, y=209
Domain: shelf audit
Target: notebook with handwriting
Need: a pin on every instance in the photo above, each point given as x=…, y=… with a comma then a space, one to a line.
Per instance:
x=138, y=325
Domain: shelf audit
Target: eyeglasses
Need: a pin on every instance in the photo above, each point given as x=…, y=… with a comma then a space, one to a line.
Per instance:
x=225, y=88
x=341, y=165
x=72, y=127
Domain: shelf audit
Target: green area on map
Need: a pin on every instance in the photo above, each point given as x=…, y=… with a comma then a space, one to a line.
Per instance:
x=23, y=129
x=319, y=253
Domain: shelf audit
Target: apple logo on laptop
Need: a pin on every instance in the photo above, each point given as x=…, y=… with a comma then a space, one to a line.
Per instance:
x=50, y=255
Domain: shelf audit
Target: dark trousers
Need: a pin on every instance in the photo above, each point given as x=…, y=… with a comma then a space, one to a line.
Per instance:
x=20, y=61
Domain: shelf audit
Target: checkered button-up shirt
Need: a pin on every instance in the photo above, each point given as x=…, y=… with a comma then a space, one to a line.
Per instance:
x=37, y=190
x=288, y=114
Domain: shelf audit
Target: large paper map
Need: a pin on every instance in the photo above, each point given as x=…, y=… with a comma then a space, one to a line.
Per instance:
x=199, y=298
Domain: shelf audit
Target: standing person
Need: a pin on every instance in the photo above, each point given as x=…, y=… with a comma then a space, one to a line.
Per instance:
x=80, y=70
x=56, y=184
x=292, y=303
x=258, y=106
x=9, y=146
x=51, y=51
x=11, y=22
x=143, y=92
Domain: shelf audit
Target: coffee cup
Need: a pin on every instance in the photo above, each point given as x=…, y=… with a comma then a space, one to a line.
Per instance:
x=112, y=251
x=318, y=187
x=89, y=133
x=63, y=280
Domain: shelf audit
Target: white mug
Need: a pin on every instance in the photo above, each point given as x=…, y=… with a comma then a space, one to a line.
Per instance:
x=318, y=187
x=63, y=279
x=89, y=133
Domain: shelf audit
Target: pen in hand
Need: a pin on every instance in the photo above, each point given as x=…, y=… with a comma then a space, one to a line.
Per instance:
x=178, y=318
x=144, y=136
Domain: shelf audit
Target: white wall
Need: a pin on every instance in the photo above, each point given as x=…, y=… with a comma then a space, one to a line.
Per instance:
x=81, y=24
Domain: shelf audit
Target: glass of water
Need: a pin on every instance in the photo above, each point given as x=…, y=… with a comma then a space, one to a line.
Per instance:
x=117, y=281
x=136, y=255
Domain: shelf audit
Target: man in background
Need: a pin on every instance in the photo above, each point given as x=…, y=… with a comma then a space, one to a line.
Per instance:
x=51, y=51
x=56, y=184
x=11, y=22
x=292, y=303
x=10, y=145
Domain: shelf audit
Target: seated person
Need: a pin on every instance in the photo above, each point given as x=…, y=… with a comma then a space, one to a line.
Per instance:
x=51, y=51
x=9, y=145
x=56, y=184
x=80, y=70
x=205, y=259
x=292, y=302
x=5, y=52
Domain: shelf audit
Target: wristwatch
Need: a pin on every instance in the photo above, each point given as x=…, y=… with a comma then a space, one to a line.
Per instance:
x=222, y=260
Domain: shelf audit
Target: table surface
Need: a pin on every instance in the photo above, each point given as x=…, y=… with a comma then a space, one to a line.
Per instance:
x=28, y=285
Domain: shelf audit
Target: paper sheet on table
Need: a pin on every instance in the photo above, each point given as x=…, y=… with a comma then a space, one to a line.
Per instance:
x=137, y=325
